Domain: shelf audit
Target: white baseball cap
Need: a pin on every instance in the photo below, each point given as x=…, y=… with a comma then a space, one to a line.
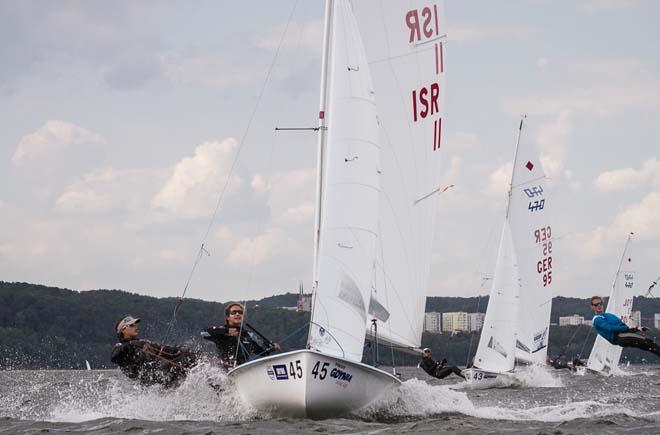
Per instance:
x=125, y=322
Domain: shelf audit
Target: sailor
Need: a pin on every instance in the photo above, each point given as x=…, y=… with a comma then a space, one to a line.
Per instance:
x=612, y=329
x=147, y=362
x=558, y=364
x=438, y=370
x=233, y=351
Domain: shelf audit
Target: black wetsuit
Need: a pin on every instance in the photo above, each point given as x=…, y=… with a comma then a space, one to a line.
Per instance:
x=558, y=364
x=252, y=344
x=152, y=363
x=439, y=370
x=633, y=339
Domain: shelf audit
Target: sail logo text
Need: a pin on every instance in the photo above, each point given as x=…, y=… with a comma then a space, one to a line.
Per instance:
x=425, y=101
x=341, y=375
x=544, y=265
x=534, y=191
x=423, y=24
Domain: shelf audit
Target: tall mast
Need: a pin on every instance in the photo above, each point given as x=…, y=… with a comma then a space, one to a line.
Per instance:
x=513, y=170
x=623, y=256
x=321, y=134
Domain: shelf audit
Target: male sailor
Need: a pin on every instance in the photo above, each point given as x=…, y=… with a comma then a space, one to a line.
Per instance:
x=149, y=363
x=438, y=370
x=233, y=351
x=612, y=329
x=558, y=364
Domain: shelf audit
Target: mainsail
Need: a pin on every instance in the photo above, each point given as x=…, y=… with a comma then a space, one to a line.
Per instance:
x=405, y=46
x=518, y=315
x=530, y=209
x=604, y=355
x=350, y=196
x=381, y=173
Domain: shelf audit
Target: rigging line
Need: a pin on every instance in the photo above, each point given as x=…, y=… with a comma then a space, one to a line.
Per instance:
x=589, y=331
x=238, y=153
x=253, y=262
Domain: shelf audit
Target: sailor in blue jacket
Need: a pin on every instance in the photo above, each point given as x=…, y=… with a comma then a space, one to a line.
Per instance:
x=612, y=329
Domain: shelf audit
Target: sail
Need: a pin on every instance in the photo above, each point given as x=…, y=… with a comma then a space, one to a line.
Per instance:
x=349, y=213
x=530, y=207
x=604, y=355
x=496, y=349
x=405, y=46
x=518, y=316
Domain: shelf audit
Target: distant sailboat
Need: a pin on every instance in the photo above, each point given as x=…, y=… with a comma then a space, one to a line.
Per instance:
x=518, y=315
x=605, y=356
x=379, y=172
x=87, y=365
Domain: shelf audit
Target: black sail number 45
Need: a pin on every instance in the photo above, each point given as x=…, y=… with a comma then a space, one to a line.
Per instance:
x=320, y=371
x=295, y=371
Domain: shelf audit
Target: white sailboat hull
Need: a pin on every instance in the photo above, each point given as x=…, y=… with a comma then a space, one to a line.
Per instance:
x=307, y=383
x=484, y=379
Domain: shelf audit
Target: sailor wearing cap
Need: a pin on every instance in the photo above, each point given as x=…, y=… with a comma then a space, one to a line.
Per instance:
x=149, y=363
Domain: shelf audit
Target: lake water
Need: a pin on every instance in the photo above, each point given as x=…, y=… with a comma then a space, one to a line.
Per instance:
x=554, y=402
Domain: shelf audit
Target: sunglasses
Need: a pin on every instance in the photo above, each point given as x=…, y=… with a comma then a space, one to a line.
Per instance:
x=235, y=312
x=599, y=304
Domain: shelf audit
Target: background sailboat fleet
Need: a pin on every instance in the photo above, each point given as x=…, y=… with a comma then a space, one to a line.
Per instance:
x=380, y=133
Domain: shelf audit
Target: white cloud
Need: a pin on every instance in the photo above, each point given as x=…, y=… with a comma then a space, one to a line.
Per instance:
x=197, y=181
x=552, y=137
x=292, y=195
x=299, y=213
x=254, y=251
x=52, y=141
x=499, y=180
x=259, y=184
x=596, y=86
x=108, y=190
x=642, y=219
x=628, y=178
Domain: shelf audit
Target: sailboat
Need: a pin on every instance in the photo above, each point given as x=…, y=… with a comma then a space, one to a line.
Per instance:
x=604, y=357
x=379, y=139
x=517, y=319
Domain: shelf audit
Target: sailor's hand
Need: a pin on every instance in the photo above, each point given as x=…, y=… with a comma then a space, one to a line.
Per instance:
x=643, y=328
x=276, y=346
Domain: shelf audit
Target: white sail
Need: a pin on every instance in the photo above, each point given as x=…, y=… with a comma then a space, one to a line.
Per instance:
x=604, y=355
x=518, y=315
x=530, y=207
x=496, y=349
x=405, y=46
x=349, y=213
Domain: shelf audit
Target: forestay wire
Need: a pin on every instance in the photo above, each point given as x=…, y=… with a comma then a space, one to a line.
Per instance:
x=202, y=250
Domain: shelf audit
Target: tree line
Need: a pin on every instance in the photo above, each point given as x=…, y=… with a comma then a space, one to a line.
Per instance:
x=53, y=328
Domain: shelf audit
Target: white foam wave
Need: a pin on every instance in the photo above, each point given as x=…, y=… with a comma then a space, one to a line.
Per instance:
x=416, y=398
x=206, y=394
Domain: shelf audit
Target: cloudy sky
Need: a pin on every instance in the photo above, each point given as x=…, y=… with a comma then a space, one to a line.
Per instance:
x=121, y=122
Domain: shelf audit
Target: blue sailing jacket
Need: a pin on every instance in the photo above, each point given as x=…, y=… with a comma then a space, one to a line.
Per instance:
x=607, y=324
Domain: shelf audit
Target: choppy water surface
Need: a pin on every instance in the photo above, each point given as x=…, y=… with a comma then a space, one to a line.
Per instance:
x=556, y=402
